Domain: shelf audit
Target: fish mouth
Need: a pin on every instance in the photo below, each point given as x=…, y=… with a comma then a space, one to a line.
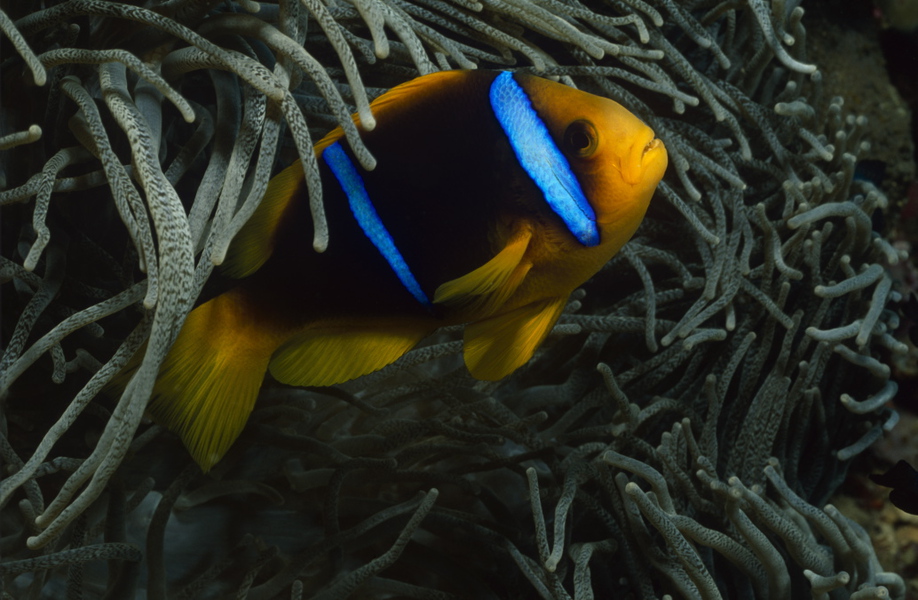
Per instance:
x=645, y=154
x=650, y=146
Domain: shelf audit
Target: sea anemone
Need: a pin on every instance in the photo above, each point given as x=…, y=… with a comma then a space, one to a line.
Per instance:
x=680, y=433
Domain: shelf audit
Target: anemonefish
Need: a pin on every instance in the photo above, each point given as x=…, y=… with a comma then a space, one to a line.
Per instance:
x=495, y=195
x=903, y=479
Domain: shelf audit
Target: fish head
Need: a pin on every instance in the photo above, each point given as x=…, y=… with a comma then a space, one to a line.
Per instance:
x=615, y=156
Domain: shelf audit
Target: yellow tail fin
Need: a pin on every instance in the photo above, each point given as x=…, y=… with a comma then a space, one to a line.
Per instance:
x=210, y=379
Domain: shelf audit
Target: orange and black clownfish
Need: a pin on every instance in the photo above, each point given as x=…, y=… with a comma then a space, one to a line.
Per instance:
x=903, y=479
x=494, y=197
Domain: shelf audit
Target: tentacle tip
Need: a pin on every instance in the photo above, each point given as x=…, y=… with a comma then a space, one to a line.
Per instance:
x=218, y=256
x=34, y=542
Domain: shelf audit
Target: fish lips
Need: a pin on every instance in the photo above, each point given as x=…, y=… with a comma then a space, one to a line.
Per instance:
x=647, y=161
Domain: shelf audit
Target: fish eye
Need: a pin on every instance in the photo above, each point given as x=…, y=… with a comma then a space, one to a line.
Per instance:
x=581, y=138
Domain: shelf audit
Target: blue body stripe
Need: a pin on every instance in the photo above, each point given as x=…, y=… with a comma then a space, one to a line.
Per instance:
x=541, y=158
x=368, y=219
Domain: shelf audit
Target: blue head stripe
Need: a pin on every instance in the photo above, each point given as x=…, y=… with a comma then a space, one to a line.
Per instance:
x=368, y=219
x=541, y=158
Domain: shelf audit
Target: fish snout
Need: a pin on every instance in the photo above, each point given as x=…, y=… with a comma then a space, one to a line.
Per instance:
x=646, y=160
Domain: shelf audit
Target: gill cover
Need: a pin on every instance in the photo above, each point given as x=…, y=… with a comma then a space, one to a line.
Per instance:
x=541, y=158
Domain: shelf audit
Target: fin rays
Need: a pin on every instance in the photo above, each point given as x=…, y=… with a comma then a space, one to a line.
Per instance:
x=495, y=347
x=332, y=354
x=488, y=287
x=210, y=379
x=254, y=243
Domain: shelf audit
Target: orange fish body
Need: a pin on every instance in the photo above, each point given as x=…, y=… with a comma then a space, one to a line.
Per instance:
x=470, y=216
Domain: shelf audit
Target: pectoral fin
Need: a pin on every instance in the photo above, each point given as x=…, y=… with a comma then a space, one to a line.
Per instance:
x=336, y=353
x=210, y=379
x=485, y=289
x=497, y=346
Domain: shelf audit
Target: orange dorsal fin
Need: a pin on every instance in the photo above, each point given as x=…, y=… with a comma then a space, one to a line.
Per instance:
x=327, y=354
x=404, y=94
x=497, y=346
x=399, y=100
x=484, y=290
x=210, y=379
x=254, y=243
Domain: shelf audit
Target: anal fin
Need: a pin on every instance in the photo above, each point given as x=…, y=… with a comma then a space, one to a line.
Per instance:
x=209, y=381
x=332, y=353
x=497, y=346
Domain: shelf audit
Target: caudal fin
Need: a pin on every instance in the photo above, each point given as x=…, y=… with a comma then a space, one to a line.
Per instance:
x=210, y=379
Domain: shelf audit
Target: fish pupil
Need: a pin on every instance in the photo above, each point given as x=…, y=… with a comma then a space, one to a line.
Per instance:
x=580, y=138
